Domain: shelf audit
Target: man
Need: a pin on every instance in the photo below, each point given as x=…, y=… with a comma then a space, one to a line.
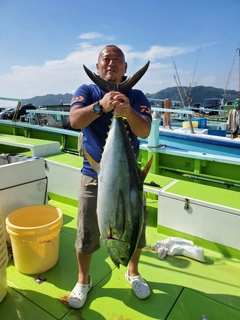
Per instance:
x=234, y=119
x=92, y=110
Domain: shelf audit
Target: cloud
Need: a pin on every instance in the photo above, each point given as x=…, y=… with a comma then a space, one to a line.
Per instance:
x=66, y=75
x=159, y=52
x=90, y=35
x=94, y=35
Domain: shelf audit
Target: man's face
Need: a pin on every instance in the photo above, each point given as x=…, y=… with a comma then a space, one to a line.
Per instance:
x=111, y=65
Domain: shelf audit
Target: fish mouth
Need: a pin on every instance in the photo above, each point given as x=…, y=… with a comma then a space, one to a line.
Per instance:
x=118, y=251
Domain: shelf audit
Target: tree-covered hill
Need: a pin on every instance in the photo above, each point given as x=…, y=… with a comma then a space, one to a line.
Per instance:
x=198, y=94
x=50, y=99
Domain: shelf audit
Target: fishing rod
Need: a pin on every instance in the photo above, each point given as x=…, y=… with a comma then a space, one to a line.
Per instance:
x=231, y=72
x=186, y=175
x=179, y=91
x=191, y=84
x=189, y=117
x=179, y=81
x=228, y=184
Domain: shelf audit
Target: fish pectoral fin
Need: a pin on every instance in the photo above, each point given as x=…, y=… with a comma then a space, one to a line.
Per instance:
x=95, y=165
x=144, y=172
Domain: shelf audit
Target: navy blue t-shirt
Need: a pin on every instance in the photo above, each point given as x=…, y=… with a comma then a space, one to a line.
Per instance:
x=96, y=133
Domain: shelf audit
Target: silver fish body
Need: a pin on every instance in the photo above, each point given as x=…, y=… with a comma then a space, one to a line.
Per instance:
x=120, y=195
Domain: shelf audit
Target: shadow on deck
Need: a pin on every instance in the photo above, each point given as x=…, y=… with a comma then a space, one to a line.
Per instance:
x=181, y=288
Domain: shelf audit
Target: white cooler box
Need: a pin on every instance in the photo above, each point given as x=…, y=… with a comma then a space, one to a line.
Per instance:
x=206, y=212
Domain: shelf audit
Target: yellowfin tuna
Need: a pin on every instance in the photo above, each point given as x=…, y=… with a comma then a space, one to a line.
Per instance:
x=120, y=194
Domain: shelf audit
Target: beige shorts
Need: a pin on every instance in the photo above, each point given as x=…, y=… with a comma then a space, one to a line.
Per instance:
x=88, y=235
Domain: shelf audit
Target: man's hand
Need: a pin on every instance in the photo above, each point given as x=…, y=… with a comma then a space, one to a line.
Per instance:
x=117, y=101
x=107, y=101
x=121, y=105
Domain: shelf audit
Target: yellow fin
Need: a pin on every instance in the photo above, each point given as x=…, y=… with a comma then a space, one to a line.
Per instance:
x=95, y=166
x=144, y=172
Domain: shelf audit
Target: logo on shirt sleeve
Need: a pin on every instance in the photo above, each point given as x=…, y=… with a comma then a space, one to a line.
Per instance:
x=145, y=109
x=77, y=99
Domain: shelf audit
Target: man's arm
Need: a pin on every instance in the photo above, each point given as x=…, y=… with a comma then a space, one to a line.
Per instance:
x=81, y=116
x=140, y=125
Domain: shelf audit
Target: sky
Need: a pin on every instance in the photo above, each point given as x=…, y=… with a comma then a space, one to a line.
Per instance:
x=45, y=43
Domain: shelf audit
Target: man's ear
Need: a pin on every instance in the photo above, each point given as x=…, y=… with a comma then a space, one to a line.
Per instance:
x=97, y=67
x=126, y=67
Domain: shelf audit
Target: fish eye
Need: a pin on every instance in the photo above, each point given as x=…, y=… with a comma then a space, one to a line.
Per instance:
x=124, y=261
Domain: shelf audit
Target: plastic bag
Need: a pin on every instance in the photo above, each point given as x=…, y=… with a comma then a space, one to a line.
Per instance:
x=178, y=246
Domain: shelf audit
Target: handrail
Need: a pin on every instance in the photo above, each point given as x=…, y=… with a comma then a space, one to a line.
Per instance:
x=152, y=108
x=48, y=112
x=180, y=111
x=205, y=109
x=28, y=126
x=12, y=99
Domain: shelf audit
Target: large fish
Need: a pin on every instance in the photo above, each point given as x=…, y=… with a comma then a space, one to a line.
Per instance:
x=120, y=194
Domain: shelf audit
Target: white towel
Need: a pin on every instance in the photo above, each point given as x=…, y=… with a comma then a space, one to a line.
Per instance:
x=80, y=144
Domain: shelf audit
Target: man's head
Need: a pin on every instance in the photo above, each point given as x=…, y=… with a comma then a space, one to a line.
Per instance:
x=111, y=64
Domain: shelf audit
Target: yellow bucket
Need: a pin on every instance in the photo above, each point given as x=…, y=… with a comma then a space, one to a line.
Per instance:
x=3, y=283
x=34, y=233
x=186, y=124
x=3, y=249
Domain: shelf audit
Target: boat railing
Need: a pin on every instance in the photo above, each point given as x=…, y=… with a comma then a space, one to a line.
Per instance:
x=31, y=127
x=179, y=111
x=54, y=118
x=40, y=111
x=203, y=110
x=153, y=139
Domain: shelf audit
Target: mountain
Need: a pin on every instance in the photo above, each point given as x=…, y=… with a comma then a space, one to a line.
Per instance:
x=50, y=99
x=198, y=95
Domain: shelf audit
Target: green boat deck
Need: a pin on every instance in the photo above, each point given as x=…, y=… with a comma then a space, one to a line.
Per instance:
x=181, y=288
